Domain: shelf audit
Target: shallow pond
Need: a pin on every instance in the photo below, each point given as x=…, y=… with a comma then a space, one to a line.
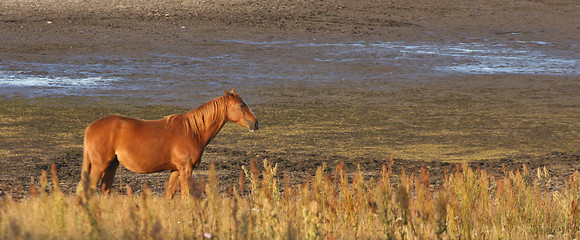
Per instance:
x=243, y=63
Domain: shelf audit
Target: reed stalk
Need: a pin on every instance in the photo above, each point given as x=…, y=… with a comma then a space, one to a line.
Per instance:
x=333, y=204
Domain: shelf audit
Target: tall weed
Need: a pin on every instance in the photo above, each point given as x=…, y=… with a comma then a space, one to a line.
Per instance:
x=332, y=204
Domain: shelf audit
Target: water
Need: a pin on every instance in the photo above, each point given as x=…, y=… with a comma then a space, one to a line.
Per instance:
x=467, y=58
x=245, y=63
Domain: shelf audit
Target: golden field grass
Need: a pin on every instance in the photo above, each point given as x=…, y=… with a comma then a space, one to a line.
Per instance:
x=470, y=204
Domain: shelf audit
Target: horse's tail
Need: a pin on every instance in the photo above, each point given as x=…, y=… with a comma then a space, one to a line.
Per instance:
x=84, y=184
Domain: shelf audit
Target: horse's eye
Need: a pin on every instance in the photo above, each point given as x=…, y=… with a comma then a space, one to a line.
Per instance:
x=242, y=105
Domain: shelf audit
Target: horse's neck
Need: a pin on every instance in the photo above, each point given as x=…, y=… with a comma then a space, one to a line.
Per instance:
x=206, y=135
x=208, y=123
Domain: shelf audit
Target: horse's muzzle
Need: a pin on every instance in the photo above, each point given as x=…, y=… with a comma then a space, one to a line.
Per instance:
x=254, y=126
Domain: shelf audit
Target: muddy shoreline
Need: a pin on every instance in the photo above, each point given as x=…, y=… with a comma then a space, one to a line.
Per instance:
x=42, y=27
x=487, y=120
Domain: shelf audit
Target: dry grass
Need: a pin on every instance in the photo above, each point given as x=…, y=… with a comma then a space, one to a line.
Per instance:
x=450, y=123
x=330, y=205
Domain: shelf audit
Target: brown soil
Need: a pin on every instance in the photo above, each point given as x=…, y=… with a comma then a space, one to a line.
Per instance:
x=46, y=29
x=32, y=26
x=298, y=167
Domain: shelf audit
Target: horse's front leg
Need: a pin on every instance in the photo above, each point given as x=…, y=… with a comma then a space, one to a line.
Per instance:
x=172, y=184
x=185, y=177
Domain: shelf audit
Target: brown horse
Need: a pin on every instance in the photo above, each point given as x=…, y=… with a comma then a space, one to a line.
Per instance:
x=174, y=143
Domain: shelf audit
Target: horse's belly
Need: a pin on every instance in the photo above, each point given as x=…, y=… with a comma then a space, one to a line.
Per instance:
x=144, y=164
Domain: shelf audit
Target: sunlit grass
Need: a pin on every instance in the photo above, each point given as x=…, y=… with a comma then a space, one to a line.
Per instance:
x=470, y=204
x=426, y=123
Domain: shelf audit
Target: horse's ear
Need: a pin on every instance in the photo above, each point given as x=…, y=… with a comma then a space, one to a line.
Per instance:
x=227, y=93
x=233, y=91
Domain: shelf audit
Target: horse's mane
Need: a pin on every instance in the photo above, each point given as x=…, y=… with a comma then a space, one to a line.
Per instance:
x=200, y=118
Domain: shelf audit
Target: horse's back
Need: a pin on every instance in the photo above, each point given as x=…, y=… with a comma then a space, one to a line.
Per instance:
x=115, y=124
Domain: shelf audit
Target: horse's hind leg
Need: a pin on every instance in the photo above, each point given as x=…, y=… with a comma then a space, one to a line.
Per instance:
x=108, y=176
x=172, y=184
x=96, y=174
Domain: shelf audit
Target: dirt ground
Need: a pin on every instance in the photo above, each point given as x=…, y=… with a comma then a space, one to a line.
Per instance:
x=51, y=28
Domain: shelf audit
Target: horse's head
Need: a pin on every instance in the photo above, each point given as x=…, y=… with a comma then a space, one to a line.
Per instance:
x=239, y=112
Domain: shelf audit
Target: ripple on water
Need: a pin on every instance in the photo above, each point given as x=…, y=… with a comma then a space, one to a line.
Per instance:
x=281, y=63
